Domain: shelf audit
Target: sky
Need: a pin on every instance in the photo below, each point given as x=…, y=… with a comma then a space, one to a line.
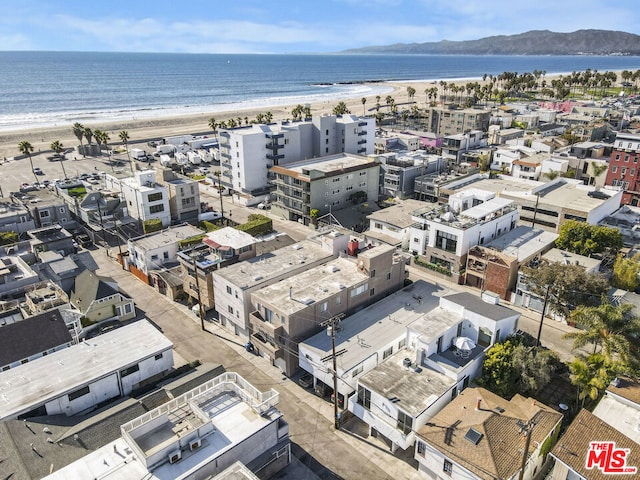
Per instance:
x=289, y=26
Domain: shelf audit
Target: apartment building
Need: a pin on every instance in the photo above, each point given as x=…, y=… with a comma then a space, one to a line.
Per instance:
x=184, y=195
x=443, y=235
x=144, y=197
x=234, y=284
x=247, y=153
x=324, y=184
x=289, y=311
x=443, y=350
x=448, y=121
x=455, y=145
x=214, y=430
x=76, y=379
x=218, y=249
x=400, y=170
x=624, y=171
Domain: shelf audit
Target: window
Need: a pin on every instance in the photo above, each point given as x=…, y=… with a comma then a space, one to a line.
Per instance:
x=446, y=241
x=357, y=371
x=389, y=276
x=154, y=197
x=421, y=448
x=364, y=397
x=44, y=213
x=373, y=273
x=623, y=171
x=158, y=357
x=324, y=307
x=165, y=255
x=405, y=422
x=372, y=292
x=447, y=467
x=362, y=184
x=129, y=371
x=614, y=169
x=362, y=173
x=229, y=290
x=154, y=257
x=335, y=180
x=62, y=210
x=156, y=208
x=268, y=315
x=338, y=300
x=632, y=172
x=618, y=156
x=358, y=290
x=402, y=343
x=230, y=309
x=81, y=392
x=350, y=187
x=387, y=353
x=188, y=201
x=336, y=191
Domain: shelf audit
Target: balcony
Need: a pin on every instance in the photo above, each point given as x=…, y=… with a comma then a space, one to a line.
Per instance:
x=362, y=124
x=361, y=151
x=274, y=157
x=362, y=132
x=273, y=146
x=362, y=142
x=274, y=135
x=227, y=174
x=225, y=155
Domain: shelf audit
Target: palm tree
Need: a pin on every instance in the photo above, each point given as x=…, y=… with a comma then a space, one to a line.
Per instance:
x=268, y=117
x=78, y=131
x=610, y=327
x=27, y=149
x=364, y=102
x=410, y=93
x=340, y=109
x=591, y=375
x=88, y=134
x=57, y=147
x=124, y=138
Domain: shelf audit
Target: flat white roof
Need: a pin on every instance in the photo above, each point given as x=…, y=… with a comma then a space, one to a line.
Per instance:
x=165, y=237
x=330, y=163
x=46, y=378
x=298, y=292
x=369, y=330
x=258, y=270
x=523, y=242
x=230, y=237
x=487, y=208
x=622, y=417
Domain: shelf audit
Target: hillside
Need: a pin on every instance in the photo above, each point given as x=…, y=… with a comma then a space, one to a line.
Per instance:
x=535, y=42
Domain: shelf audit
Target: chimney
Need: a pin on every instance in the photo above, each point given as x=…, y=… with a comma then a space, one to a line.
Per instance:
x=478, y=403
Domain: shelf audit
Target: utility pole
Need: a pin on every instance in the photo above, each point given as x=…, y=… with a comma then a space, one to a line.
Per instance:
x=544, y=309
x=195, y=272
x=527, y=429
x=332, y=325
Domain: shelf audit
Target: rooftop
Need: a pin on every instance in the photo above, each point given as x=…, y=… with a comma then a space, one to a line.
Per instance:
x=555, y=255
x=225, y=411
x=476, y=305
x=327, y=165
x=32, y=335
x=626, y=388
x=397, y=215
x=298, y=292
x=522, y=242
x=258, y=270
x=412, y=389
x=371, y=329
x=620, y=415
x=480, y=431
x=572, y=447
x=165, y=237
x=63, y=371
x=482, y=213
x=229, y=237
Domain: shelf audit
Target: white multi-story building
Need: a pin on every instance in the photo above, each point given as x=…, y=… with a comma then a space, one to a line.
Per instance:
x=145, y=198
x=152, y=251
x=473, y=217
x=443, y=350
x=196, y=435
x=184, y=195
x=78, y=378
x=247, y=153
x=234, y=284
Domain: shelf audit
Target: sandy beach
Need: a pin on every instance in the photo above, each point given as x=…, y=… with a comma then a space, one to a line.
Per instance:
x=151, y=128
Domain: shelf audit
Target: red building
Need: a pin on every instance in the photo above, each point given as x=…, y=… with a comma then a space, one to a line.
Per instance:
x=624, y=170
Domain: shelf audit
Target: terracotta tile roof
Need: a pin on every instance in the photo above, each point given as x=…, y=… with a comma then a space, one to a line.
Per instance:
x=572, y=447
x=499, y=452
x=626, y=388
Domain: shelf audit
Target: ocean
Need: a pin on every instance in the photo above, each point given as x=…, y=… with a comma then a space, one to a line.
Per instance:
x=60, y=88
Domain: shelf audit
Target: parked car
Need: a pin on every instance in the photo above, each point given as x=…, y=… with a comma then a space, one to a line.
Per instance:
x=306, y=380
x=55, y=157
x=38, y=171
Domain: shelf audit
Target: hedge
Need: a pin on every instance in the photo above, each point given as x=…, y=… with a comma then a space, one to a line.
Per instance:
x=256, y=226
x=187, y=242
x=152, y=225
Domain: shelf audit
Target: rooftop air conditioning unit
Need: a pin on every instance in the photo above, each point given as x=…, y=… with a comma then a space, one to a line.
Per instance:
x=195, y=444
x=175, y=456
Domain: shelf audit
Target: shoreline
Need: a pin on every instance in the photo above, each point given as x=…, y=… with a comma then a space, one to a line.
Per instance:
x=158, y=126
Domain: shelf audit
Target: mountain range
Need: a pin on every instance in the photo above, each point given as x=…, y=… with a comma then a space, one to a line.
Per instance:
x=534, y=42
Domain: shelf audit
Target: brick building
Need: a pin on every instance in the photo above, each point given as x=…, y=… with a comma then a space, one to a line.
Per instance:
x=623, y=167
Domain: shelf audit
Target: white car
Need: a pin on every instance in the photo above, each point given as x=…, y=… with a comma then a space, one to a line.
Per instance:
x=38, y=171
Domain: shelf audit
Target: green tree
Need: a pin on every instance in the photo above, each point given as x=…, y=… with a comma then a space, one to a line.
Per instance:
x=78, y=131
x=584, y=239
x=340, y=109
x=364, y=102
x=498, y=373
x=26, y=148
x=268, y=117
x=88, y=134
x=57, y=147
x=551, y=174
x=124, y=138
x=610, y=327
x=625, y=272
x=591, y=375
x=8, y=238
x=565, y=286
x=410, y=93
